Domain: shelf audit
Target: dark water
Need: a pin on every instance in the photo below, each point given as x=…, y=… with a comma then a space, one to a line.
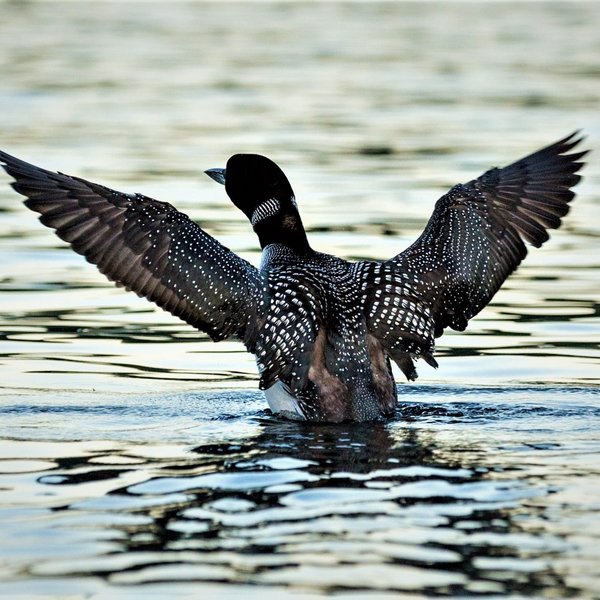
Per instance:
x=138, y=460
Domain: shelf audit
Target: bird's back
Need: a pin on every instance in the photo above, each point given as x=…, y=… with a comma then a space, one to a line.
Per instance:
x=314, y=339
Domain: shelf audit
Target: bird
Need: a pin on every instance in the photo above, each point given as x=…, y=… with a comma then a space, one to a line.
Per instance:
x=323, y=329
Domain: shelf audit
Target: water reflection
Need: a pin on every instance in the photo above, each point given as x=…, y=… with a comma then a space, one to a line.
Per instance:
x=323, y=508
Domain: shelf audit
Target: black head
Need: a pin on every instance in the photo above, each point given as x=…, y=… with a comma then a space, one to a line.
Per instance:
x=260, y=189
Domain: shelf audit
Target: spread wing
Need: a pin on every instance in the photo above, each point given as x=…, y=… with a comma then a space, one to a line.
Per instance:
x=473, y=241
x=148, y=247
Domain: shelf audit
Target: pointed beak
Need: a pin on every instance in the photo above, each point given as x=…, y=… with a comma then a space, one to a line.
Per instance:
x=217, y=174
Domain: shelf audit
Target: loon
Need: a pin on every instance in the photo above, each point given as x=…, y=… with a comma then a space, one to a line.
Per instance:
x=323, y=329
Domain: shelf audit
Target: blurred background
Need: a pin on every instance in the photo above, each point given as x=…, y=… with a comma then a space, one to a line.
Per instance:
x=373, y=110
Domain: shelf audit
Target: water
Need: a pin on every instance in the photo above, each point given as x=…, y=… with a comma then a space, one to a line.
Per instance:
x=137, y=459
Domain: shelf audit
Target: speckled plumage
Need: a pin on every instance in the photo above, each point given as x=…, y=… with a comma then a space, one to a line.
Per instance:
x=323, y=329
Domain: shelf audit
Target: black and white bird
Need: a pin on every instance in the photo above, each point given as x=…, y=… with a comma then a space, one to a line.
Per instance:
x=323, y=329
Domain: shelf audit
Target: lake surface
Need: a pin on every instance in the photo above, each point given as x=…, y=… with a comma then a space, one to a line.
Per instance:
x=137, y=458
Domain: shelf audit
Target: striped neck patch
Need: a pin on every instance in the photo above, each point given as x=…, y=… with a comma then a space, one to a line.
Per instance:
x=268, y=208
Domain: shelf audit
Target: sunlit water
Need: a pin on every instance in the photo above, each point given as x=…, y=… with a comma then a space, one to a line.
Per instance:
x=137, y=458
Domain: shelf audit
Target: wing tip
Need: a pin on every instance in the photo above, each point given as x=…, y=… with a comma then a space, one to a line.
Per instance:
x=568, y=143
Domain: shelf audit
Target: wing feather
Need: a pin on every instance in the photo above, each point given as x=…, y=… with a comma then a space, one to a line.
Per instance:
x=473, y=241
x=147, y=247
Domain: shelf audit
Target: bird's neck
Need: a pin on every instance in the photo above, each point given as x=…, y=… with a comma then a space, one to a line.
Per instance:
x=283, y=228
